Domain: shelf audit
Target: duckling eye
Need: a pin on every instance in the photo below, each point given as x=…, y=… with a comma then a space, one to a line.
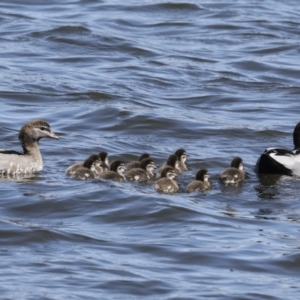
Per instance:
x=43, y=128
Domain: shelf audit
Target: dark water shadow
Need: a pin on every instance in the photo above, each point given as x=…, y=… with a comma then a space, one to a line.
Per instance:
x=268, y=186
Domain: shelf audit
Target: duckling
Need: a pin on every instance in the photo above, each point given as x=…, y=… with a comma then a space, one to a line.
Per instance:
x=235, y=173
x=74, y=167
x=167, y=184
x=88, y=169
x=30, y=161
x=182, y=156
x=201, y=183
x=171, y=162
x=102, y=164
x=94, y=158
x=137, y=164
x=143, y=173
x=115, y=173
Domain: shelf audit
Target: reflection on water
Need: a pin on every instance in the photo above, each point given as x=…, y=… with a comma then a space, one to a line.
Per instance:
x=232, y=189
x=267, y=187
x=20, y=178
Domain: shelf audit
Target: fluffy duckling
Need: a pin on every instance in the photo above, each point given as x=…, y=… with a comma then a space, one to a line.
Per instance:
x=171, y=162
x=74, y=167
x=137, y=164
x=167, y=184
x=235, y=173
x=201, y=183
x=88, y=169
x=182, y=156
x=101, y=165
x=115, y=173
x=30, y=161
x=104, y=162
x=94, y=157
x=143, y=173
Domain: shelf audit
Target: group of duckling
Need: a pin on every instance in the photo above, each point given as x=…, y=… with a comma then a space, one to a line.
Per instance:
x=97, y=166
x=14, y=163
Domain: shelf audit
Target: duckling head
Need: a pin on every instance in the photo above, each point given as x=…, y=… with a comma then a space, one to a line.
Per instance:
x=237, y=163
x=148, y=164
x=91, y=162
x=202, y=175
x=168, y=172
x=181, y=155
x=104, y=157
x=143, y=156
x=118, y=166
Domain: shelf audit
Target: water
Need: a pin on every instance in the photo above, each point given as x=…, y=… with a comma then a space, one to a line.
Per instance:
x=218, y=78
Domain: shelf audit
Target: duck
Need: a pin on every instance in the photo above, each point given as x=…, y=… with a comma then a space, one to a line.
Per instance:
x=182, y=156
x=137, y=164
x=143, y=173
x=235, y=173
x=115, y=172
x=88, y=169
x=277, y=160
x=201, y=183
x=101, y=165
x=167, y=184
x=30, y=160
x=173, y=162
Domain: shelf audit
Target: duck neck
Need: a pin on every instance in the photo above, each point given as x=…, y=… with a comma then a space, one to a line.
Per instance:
x=207, y=183
x=121, y=175
x=31, y=148
x=150, y=172
x=296, y=137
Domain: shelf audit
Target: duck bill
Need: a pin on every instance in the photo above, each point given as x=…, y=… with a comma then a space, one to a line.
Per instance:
x=53, y=135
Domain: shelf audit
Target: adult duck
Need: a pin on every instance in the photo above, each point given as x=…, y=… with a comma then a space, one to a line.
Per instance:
x=277, y=160
x=30, y=160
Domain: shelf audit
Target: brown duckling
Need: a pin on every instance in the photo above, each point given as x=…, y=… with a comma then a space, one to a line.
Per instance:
x=171, y=162
x=88, y=169
x=182, y=157
x=201, y=183
x=235, y=173
x=115, y=173
x=143, y=173
x=167, y=184
x=137, y=164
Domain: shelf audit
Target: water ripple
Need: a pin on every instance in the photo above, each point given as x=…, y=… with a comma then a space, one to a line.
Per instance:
x=219, y=79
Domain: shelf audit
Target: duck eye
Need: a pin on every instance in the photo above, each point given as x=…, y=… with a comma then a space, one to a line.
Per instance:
x=43, y=128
